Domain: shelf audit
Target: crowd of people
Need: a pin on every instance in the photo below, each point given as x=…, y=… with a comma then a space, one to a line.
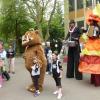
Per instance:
x=6, y=63
x=77, y=60
x=84, y=58
x=81, y=57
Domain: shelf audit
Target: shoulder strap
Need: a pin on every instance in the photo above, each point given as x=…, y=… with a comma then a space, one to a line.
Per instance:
x=58, y=66
x=57, y=62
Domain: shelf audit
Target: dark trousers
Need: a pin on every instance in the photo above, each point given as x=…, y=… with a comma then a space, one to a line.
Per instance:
x=35, y=79
x=95, y=79
x=58, y=81
x=48, y=67
x=5, y=74
x=73, y=63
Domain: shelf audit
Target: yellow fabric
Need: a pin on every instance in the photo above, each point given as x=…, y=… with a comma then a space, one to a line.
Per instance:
x=96, y=10
x=93, y=52
x=91, y=47
x=84, y=37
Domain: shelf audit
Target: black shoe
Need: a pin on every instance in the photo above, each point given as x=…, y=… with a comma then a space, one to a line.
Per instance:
x=13, y=72
x=6, y=75
x=69, y=76
x=79, y=78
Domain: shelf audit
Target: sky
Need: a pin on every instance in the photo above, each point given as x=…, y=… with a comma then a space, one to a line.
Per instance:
x=50, y=8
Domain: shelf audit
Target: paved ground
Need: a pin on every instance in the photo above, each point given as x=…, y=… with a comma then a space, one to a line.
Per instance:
x=72, y=89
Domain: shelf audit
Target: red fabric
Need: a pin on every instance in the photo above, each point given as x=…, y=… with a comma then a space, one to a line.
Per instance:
x=92, y=17
x=65, y=59
x=91, y=59
x=95, y=79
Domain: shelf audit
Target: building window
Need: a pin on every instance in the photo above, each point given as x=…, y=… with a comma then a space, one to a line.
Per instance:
x=80, y=23
x=79, y=4
x=88, y=3
x=97, y=1
x=71, y=5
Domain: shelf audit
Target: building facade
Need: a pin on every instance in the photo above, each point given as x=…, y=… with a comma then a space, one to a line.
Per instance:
x=77, y=9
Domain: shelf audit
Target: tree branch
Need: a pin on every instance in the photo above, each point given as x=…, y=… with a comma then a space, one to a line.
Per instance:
x=53, y=10
x=49, y=21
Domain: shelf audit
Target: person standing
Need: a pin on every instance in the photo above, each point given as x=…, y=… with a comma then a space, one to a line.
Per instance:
x=3, y=64
x=2, y=56
x=35, y=75
x=49, y=59
x=48, y=53
x=90, y=60
x=73, y=51
x=11, y=59
x=57, y=74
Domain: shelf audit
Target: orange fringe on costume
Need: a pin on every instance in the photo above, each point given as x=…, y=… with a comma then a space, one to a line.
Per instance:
x=91, y=63
x=93, y=44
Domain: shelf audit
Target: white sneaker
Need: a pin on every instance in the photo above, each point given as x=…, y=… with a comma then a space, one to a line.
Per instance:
x=47, y=73
x=38, y=92
x=59, y=96
x=55, y=92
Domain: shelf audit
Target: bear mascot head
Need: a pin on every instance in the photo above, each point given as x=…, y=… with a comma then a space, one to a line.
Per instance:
x=33, y=48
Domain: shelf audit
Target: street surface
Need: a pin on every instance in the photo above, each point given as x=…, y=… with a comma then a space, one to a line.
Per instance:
x=15, y=88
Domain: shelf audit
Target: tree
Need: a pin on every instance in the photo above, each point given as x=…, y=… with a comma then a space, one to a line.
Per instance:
x=38, y=11
x=17, y=16
x=14, y=21
x=57, y=28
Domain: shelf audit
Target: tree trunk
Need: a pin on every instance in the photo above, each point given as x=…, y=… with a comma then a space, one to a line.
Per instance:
x=40, y=30
x=49, y=21
x=18, y=40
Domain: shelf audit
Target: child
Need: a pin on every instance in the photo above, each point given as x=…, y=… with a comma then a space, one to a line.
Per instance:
x=3, y=62
x=57, y=74
x=35, y=75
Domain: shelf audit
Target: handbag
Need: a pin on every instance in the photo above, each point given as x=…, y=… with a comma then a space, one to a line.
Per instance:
x=71, y=43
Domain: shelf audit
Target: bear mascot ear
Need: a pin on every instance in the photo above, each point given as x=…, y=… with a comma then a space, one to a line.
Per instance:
x=37, y=32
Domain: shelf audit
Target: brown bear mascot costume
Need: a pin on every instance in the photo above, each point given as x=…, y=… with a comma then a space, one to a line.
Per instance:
x=33, y=48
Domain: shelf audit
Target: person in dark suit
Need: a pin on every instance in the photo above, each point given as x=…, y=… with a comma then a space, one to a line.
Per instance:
x=73, y=51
